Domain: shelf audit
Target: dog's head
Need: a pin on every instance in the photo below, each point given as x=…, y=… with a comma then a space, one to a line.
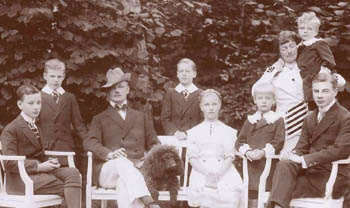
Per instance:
x=163, y=160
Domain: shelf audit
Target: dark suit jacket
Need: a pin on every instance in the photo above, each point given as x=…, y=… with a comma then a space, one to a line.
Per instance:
x=179, y=114
x=108, y=132
x=257, y=136
x=324, y=142
x=56, y=121
x=18, y=139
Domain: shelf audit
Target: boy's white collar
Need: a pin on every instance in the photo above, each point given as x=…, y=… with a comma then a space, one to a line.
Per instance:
x=179, y=88
x=310, y=42
x=27, y=118
x=270, y=117
x=49, y=91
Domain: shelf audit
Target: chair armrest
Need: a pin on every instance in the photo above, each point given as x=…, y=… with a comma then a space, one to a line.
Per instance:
x=28, y=183
x=70, y=156
x=89, y=170
x=333, y=176
x=173, y=141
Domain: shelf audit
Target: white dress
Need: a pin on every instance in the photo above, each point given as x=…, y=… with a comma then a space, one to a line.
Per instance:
x=211, y=143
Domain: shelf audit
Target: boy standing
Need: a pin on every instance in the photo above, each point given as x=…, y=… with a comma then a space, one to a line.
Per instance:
x=60, y=111
x=180, y=107
x=23, y=137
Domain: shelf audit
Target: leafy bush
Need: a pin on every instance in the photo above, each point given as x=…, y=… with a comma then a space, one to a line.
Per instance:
x=230, y=41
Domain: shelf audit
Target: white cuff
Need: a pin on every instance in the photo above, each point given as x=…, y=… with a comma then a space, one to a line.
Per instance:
x=244, y=148
x=303, y=163
x=269, y=149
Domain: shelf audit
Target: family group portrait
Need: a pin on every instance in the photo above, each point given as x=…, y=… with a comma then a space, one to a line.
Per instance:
x=175, y=103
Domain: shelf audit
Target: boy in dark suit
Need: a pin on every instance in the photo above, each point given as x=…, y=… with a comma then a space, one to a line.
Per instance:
x=118, y=138
x=262, y=133
x=23, y=137
x=325, y=138
x=59, y=112
x=180, y=107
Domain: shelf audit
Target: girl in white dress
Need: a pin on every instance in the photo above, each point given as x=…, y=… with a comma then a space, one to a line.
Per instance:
x=214, y=181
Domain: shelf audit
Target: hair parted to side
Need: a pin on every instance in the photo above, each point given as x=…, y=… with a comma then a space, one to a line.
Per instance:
x=208, y=92
x=26, y=89
x=309, y=18
x=263, y=88
x=189, y=62
x=286, y=36
x=325, y=77
x=54, y=64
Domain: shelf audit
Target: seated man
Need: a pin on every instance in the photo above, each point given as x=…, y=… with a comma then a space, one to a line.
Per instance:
x=118, y=138
x=325, y=138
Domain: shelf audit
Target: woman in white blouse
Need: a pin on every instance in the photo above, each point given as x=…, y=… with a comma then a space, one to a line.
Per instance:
x=214, y=181
x=284, y=75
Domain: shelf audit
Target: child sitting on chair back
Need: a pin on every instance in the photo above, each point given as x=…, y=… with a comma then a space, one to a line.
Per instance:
x=262, y=133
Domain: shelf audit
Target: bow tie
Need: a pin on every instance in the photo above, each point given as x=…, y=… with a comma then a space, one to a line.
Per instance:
x=120, y=108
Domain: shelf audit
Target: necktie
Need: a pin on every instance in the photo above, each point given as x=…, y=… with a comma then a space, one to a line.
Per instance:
x=121, y=108
x=35, y=130
x=55, y=95
x=185, y=93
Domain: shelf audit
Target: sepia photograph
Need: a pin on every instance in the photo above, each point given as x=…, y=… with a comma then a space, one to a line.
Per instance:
x=175, y=103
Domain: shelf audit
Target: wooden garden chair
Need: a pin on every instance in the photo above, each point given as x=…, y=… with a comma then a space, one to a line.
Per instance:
x=326, y=202
x=29, y=199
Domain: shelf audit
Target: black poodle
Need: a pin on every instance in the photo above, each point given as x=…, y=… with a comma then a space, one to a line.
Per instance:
x=160, y=169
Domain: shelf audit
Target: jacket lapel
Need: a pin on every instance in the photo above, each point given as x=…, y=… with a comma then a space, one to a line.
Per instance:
x=129, y=121
x=180, y=99
x=113, y=113
x=261, y=123
x=191, y=98
x=28, y=132
x=328, y=119
x=48, y=99
x=62, y=102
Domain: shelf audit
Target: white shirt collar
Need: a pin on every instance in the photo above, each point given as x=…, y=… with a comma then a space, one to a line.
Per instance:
x=179, y=88
x=49, y=91
x=325, y=109
x=27, y=118
x=113, y=104
x=309, y=42
x=270, y=117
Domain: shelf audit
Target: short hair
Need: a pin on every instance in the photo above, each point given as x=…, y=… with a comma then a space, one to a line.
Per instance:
x=309, y=18
x=207, y=92
x=54, y=64
x=188, y=61
x=26, y=89
x=263, y=88
x=325, y=77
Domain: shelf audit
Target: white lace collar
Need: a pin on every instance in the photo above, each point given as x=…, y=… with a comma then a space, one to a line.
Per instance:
x=309, y=42
x=270, y=117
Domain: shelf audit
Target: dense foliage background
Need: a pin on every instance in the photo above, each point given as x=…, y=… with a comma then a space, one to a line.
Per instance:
x=231, y=42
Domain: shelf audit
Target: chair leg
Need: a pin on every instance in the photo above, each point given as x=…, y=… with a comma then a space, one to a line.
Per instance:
x=104, y=203
x=88, y=197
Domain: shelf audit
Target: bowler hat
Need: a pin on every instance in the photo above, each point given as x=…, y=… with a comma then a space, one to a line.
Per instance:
x=115, y=76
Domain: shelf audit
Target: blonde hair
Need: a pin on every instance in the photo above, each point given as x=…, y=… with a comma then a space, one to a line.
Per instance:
x=208, y=92
x=325, y=77
x=189, y=62
x=54, y=64
x=263, y=88
x=309, y=18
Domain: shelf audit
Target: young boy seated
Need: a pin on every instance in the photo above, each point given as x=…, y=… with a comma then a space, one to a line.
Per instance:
x=23, y=137
x=262, y=133
x=180, y=107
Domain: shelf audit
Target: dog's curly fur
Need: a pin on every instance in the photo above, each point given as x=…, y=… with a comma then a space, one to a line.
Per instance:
x=161, y=167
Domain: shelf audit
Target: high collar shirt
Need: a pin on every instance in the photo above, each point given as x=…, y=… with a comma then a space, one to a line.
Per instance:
x=121, y=112
x=49, y=91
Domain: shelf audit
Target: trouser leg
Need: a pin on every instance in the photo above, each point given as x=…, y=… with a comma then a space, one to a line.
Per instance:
x=284, y=183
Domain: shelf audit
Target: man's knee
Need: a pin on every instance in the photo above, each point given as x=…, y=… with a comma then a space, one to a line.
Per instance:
x=73, y=178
